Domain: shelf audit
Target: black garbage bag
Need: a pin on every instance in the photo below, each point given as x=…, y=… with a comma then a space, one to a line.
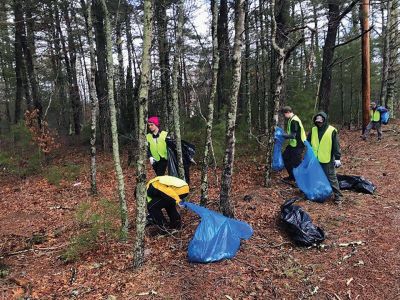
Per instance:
x=356, y=183
x=188, y=152
x=299, y=226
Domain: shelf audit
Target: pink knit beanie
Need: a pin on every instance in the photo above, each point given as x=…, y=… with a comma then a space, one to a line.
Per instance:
x=155, y=120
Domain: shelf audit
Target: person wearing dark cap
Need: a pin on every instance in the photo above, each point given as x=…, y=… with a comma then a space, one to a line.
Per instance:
x=325, y=144
x=157, y=146
x=375, y=122
x=296, y=135
x=165, y=192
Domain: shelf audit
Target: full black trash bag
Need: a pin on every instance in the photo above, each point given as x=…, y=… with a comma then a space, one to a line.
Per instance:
x=188, y=152
x=299, y=226
x=356, y=183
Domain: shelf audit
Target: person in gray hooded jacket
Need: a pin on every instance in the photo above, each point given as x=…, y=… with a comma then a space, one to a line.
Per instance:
x=325, y=144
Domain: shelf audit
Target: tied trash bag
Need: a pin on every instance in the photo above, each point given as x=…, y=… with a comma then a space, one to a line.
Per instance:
x=299, y=226
x=277, y=159
x=356, y=183
x=188, y=152
x=310, y=177
x=385, y=115
x=216, y=237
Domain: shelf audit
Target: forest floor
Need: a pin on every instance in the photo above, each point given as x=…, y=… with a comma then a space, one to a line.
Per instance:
x=360, y=258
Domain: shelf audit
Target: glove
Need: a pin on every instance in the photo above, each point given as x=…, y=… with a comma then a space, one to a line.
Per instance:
x=152, y=160
x=337, y=163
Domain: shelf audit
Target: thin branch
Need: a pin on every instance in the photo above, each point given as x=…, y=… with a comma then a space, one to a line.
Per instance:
x=291, y=49
x=348, y=9
x=353, y=39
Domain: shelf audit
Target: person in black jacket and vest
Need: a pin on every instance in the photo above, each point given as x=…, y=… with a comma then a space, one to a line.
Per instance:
x=325, y=144
x=296, y=135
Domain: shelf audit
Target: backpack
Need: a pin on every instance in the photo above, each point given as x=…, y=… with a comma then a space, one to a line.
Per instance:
x=385, y=115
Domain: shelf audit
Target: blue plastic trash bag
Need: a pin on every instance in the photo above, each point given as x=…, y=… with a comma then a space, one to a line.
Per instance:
x=277, y=159
x=310, y=177
x=216, y=237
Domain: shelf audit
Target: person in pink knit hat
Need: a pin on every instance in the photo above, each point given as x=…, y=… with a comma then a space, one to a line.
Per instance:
x=157, y=146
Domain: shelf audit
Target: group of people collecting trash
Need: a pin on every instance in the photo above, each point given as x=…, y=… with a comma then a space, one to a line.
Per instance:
x=166, y=191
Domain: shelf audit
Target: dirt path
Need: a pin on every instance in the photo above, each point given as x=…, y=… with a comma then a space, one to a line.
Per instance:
x=37, y=222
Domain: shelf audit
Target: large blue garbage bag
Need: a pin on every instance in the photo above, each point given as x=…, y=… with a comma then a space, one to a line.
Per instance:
x=310, y=177
x=277, y=159
x=216, y=237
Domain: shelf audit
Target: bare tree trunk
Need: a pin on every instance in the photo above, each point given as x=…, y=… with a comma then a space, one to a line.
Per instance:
x=19, y=59
x=87, y=10
x=224, y=63
x=247, y=91
x=385, y=49
x=393, y=72
x=210, y=116
x=175, y=92
x=114, y=129
x=163, y=49
x=72, y=74
x=141, y=167
x=365, y=62
x=226, y=180
x=334, y=18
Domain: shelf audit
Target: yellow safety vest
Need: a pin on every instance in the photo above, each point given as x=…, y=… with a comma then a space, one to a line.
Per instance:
x=169, y=185
x=375, y=115
x=158, y=148
x=293, y=142
x=322, y=149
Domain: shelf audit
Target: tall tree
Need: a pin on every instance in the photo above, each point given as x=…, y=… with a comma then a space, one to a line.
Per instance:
x=213, y=93
x=335, y=16
x=19, y=59
x=365, y=62
x=163, y=54
x=101, y=79
x=138, y=255
x=226, y=179
x=87, y=11
x=224, y=63
x=70, y=59
x=113, y=117
x=175, y=92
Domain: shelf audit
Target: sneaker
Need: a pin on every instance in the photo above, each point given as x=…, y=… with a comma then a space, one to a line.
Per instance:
x=338, y=200
x=364, y=138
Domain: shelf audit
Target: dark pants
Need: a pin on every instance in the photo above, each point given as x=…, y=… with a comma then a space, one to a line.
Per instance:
x=373, y=125
x=330, y=173
x=159, y=200
x=160, y=166
x=292, y=157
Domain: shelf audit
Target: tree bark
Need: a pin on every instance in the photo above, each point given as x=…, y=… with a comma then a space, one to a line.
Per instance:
x=163, y=50
x=87, y=10
x=141, y=162
x=175, y=92
x=224, y=62
x=365, y=63
x=210, y=116
x=226, y=179
x=101, y=79
x=114, y=129
x=334, y=19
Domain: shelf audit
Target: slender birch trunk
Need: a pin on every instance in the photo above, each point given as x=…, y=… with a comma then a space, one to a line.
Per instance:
x=226, y=179
x=92, y=92
x=210, y=116
x=142, y=156
x=175, y=92
x=114, y=130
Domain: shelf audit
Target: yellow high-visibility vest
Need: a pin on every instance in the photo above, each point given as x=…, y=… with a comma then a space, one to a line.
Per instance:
x=158, y=148
x=322, y=149
x=375, y=115
x=172, y=186
x=293, y=142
